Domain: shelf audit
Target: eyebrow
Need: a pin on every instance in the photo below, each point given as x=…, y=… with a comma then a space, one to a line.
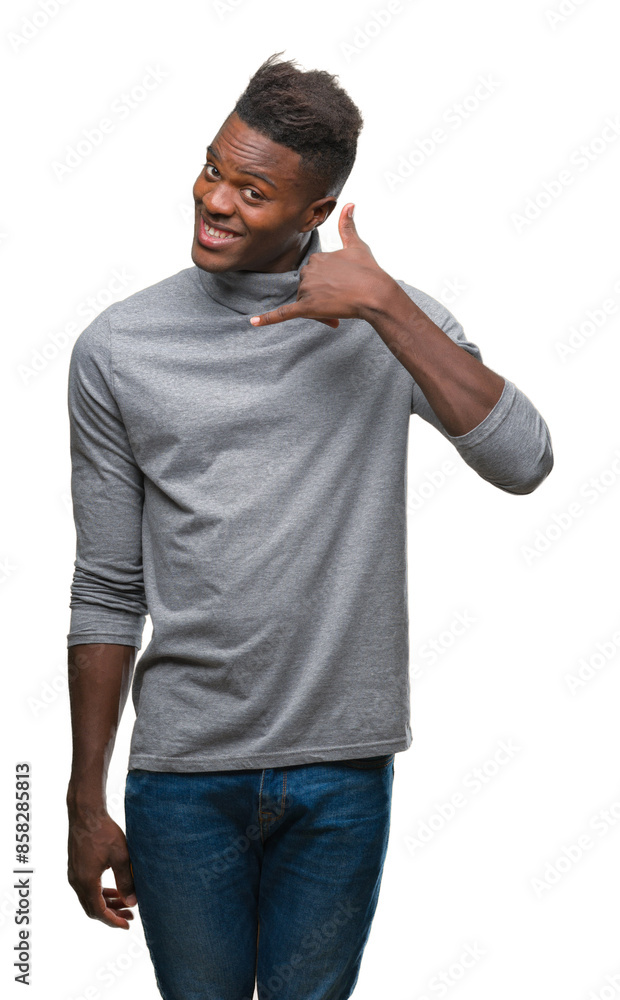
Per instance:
x=246, y=170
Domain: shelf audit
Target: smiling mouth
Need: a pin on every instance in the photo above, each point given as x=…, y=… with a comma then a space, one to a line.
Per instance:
x=211, y=236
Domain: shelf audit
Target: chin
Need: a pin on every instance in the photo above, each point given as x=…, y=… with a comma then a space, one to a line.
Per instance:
x=208, y=262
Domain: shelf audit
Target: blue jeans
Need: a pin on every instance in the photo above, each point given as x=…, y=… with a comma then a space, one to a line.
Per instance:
x=299, y=849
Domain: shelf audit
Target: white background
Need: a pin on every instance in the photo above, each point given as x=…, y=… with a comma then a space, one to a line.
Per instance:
x=537, y=574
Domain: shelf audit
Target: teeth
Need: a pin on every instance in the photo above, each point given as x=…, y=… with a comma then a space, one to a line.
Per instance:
x=218, y=232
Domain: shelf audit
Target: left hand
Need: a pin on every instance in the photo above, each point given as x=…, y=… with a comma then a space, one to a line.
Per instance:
x=332, y=285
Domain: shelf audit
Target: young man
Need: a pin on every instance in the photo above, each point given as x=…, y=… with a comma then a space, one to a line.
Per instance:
x=239, y=439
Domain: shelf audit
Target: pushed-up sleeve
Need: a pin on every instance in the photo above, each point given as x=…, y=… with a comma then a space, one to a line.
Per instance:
x=511, y=448
x=108, y=602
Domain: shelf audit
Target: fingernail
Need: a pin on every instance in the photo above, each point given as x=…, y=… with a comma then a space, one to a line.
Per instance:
x=131, y=900
x=351, y=210
x=255, y=320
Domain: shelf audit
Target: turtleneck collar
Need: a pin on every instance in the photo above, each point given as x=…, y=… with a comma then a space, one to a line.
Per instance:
x=256, y=291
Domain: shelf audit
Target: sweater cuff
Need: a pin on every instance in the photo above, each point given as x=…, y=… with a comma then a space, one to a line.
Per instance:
x=95, y=623
x=111, y=640
x=491, y=422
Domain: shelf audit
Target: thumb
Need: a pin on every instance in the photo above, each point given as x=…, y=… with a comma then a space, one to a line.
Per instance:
x=346, y=227
x=123, y=876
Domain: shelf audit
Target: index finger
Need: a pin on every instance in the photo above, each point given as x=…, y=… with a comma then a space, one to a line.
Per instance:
x=273, y=317
x=287, y=311
x=95, y=905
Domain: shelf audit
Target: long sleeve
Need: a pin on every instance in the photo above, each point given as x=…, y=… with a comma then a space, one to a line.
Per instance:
x=108, y=602
x=511, y=448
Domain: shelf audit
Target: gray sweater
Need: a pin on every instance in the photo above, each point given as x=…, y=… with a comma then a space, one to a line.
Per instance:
x=246, y=488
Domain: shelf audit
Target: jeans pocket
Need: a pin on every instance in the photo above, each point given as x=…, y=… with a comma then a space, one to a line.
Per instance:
x=368, y=762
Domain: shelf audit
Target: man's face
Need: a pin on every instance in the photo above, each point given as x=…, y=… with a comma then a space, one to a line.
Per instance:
x=270, y=215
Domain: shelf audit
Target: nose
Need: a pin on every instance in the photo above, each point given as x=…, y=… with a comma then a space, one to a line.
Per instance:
x=218, y=200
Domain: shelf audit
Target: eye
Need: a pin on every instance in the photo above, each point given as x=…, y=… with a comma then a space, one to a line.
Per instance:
x=259, y=196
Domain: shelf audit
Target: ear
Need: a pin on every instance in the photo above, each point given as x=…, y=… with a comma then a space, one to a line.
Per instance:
x=322, y=209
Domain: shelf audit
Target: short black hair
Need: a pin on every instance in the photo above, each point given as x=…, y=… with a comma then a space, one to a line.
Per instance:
x=310, y=113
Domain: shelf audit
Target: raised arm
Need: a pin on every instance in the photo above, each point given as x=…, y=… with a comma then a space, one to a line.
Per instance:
x=108, y=611
x=493, y=425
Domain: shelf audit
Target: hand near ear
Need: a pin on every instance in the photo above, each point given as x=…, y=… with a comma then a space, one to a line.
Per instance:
x=332, y=286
